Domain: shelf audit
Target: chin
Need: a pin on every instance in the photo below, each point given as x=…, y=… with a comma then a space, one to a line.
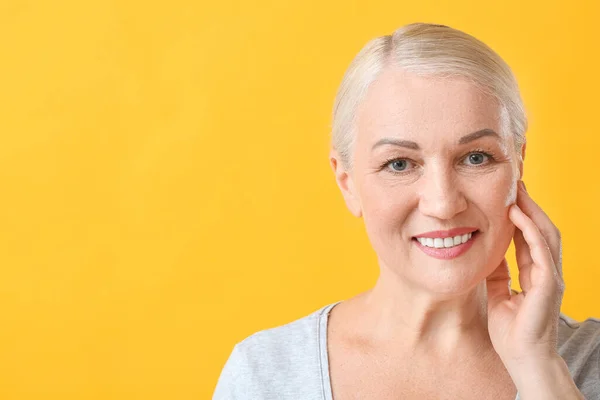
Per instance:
x=454, y=276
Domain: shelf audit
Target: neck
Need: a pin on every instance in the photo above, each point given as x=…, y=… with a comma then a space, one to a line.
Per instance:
x=433, y=323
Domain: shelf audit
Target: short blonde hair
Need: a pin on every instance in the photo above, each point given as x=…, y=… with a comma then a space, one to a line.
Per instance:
x=427, y=50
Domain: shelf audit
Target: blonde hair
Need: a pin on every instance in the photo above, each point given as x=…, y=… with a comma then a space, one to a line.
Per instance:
x=427, y=50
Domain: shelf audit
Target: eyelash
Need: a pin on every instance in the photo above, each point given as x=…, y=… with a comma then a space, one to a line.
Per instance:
x=490, y=157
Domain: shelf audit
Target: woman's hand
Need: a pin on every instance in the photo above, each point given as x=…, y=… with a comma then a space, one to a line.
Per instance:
x=523, y=328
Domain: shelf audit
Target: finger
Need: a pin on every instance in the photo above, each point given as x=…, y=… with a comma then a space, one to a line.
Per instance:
x=539, y=250
x=543, y=222
x=530, y=207
x=524, y=260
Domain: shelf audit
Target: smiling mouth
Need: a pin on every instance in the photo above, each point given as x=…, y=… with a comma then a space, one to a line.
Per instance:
x=448, y=242
x=445, y=248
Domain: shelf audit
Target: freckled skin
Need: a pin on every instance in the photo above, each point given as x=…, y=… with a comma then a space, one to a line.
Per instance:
x=440, y=188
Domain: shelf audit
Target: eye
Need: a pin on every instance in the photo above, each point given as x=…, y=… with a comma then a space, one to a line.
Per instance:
x=477, y=158
x=399, y=164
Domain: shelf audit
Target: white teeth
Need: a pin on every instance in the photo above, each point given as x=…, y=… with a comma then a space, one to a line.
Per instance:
x=439, y=243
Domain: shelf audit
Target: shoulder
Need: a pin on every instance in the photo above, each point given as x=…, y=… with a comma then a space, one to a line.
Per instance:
x=579, y=346
x=274, y=361
x=577, y=338
x=276, y=347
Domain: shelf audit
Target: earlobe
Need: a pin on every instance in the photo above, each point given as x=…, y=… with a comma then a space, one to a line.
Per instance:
x=346, y=184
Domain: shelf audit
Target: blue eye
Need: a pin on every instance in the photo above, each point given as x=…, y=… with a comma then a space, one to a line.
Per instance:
x=476, y=158
x=399, y=165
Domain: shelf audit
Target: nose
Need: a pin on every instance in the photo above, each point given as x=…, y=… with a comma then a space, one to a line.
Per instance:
x=441, y=194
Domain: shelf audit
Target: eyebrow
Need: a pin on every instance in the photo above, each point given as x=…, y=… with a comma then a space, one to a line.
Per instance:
x=414, y=146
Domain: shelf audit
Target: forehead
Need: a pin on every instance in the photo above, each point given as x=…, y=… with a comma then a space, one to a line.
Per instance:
x=424, y=109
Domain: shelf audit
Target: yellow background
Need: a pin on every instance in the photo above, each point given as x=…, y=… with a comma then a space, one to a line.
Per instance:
x=165, y=188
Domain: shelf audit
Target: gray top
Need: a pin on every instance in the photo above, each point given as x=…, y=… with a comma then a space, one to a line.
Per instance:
x=290, y=361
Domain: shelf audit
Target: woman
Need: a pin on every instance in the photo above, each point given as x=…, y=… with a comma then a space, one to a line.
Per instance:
x=428, y=148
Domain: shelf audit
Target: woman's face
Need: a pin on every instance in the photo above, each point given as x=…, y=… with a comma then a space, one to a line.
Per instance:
x=430, y=156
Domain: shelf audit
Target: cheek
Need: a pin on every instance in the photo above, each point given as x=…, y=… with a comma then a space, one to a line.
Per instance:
x=511, y=197
x=383, y=197
x=512, y=176
x=497, y=191
x=385, y=206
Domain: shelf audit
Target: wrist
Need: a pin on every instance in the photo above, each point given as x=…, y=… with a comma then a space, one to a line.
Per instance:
x=544, y=378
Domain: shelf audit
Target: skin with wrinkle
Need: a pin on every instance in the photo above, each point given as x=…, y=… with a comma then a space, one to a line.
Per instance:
x=435, y=114
x=440, y=191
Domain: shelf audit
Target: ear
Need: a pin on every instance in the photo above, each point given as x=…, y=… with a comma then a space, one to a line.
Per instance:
x=522, y=160
x=346, y=184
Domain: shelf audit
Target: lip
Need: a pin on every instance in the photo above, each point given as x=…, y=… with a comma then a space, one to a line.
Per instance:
x=449, y=233
x=450, y=252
